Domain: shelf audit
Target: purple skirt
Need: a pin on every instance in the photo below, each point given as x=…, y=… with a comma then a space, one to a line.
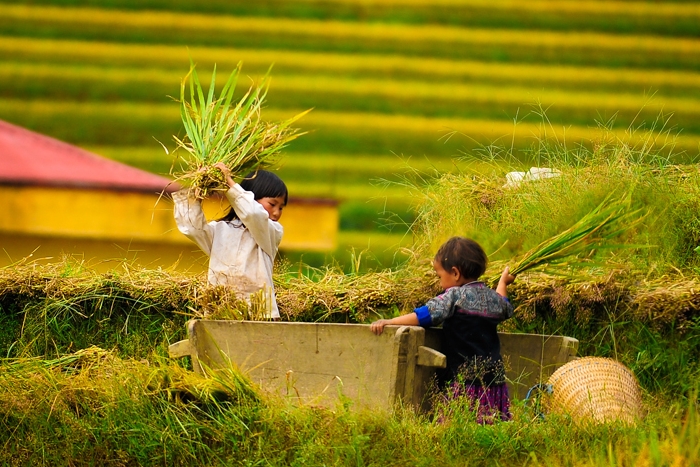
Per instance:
x=488, y=404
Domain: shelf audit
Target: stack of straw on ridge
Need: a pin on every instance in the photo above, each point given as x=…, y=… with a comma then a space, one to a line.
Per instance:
x=221, y=130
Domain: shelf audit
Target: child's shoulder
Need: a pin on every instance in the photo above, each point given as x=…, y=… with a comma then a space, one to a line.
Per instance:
x=474, y=287
x=481, y=299
x=475, y=290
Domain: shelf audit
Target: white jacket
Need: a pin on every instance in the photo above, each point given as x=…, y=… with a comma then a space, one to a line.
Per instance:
x=241, y=252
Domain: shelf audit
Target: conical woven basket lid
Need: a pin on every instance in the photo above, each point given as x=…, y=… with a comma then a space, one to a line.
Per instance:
x=594, y=389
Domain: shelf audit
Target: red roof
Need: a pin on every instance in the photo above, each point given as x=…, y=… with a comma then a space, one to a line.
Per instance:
x=28, y=158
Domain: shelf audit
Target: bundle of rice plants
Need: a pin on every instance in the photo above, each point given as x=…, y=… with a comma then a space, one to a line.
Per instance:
x=217, y=129
x=594, y=231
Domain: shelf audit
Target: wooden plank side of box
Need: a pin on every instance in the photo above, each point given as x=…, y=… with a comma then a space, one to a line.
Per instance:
x=312, y=362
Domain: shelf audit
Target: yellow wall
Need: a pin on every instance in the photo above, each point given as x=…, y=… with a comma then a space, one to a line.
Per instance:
x=101, y=254
x=102, y=223
x=91, y=214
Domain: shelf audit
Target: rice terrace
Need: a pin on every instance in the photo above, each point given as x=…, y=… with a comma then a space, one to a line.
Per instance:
x=562, y=136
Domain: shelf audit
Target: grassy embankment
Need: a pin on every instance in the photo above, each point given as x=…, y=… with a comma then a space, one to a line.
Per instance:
x=94, y=408
x=383, y=80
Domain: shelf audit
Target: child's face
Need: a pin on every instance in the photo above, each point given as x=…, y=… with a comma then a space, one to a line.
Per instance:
x=448, y=279
x=273, y=206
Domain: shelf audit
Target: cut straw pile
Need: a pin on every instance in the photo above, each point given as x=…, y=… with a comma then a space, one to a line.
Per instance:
x=217, y=129
x=34, y=290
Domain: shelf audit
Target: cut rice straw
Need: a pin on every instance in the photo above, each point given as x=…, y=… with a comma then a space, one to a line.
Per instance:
x=219, y=130
x=594, y=231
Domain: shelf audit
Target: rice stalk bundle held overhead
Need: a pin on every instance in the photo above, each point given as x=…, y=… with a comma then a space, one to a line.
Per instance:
x=219, y=129
x=594, y=231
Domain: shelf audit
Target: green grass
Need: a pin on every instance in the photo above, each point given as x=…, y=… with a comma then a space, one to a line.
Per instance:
x=512, y=220
x=95, y=408
x=359, y=251
x=128, y=405
x=225, y=129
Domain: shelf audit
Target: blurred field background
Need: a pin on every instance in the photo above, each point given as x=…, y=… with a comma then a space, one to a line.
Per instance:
x=389, y=82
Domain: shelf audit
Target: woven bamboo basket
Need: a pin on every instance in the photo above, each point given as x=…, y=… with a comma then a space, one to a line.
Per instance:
x=594, y=389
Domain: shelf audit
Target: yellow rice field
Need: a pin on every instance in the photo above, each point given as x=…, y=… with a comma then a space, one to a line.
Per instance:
x=490, y=130
x=152, y=56
x=387, y=77
x=111, y=55
x=622, y=8
x=366, y=164
x=510, y=97
x=47, y=71
x=339, y=30
x=497, y=94
x=368, y=181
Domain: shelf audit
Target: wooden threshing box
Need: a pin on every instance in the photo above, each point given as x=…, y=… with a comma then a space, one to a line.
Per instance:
x=316, y=363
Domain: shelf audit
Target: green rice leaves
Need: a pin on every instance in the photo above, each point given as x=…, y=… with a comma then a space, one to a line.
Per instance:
x=222, y=129
x=594, y=231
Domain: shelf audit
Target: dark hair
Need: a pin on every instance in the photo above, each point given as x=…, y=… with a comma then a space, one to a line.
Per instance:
x=262, y=184
x=464, y=254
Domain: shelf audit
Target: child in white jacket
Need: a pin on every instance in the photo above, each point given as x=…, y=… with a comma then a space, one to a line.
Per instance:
x=242, y=245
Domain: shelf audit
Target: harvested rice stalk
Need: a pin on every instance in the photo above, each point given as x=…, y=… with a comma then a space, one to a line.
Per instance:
x=220, y=130
x=595, y=230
